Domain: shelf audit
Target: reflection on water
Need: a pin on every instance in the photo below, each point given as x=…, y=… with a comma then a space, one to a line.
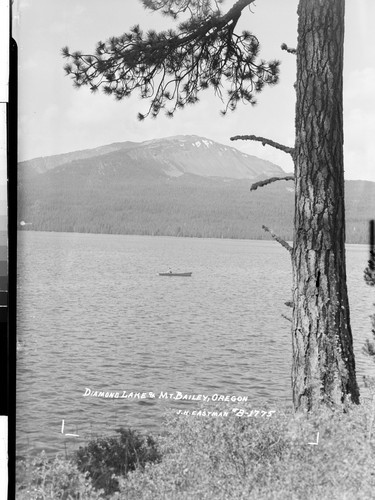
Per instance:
x=94, y=313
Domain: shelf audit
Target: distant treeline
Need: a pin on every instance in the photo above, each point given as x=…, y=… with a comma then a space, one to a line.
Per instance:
x=188, y=206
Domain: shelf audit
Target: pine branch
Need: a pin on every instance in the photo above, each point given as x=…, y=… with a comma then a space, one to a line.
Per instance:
x=278, y=239
x=369, y=272
x=264, y=142
x=369, y=276
x=369, y=348
x=173, y=8
x=288, y=49
x=172, y=67
x=270, y=180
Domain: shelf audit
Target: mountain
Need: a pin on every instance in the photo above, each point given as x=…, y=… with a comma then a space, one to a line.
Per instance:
x=179, y=186
x=173, y=156
x=42, y=164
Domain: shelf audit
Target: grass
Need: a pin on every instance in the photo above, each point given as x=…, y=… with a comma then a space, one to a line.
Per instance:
x=237, y=458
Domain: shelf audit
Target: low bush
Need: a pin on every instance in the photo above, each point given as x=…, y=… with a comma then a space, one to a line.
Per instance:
x=104, y=458
x=257, y=458
x=58, y=478
x=316, y=456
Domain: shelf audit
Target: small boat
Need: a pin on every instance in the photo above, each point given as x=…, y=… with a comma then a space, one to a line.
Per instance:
x=170, y=273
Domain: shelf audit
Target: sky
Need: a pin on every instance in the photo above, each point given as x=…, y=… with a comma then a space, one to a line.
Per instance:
x=56, y=118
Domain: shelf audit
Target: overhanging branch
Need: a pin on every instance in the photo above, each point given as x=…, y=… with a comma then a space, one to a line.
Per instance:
x=170, y=68
x=264, y=142
x=270, y=180
x=278, y=239
x=288, y=49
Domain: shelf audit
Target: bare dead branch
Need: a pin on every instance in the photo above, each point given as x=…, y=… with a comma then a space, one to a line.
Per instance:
x=264, y=142
x=270, y=180
x=286, y=317
x=282, y=242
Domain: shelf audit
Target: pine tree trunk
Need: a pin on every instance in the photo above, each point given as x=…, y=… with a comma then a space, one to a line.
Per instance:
x=323, y=359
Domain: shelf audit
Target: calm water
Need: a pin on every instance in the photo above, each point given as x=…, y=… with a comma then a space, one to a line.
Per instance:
x=93, y=313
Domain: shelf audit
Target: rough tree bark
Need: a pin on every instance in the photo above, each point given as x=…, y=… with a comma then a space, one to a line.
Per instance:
x=323, y=359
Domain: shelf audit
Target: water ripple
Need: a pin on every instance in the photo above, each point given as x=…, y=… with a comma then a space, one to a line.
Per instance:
x=93, y=313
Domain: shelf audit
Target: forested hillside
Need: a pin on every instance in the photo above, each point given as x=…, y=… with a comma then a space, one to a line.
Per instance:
x=108, y=193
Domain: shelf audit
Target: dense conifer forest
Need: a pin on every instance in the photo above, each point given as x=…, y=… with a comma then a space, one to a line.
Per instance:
x=187, y=206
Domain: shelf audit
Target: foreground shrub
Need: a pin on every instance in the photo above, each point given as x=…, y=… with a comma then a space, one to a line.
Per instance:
x=216, y=458
x=59, y=478
x=258, y=458
x=104, y=458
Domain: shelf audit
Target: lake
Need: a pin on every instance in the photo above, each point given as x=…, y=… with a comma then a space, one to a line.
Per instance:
x=94, y=315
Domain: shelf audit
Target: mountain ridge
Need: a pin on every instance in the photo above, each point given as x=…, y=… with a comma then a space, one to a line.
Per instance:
x=157, y=188
x=178, y=154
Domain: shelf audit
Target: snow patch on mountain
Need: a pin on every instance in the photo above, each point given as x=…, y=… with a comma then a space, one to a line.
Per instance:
x=173, y=156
